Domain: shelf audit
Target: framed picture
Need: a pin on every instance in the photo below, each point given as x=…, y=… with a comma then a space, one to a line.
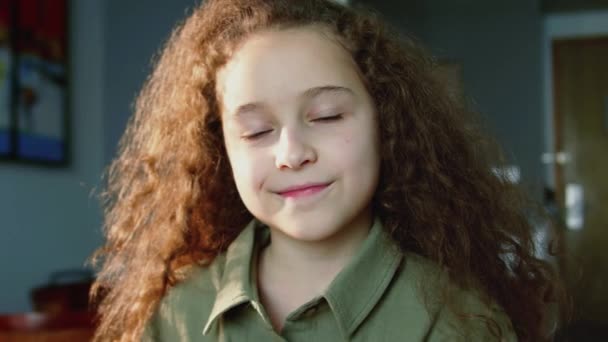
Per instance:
x=34, y=120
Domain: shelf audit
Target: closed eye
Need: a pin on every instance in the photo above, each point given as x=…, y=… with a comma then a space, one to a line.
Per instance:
x=329, y=118
x=256, y=135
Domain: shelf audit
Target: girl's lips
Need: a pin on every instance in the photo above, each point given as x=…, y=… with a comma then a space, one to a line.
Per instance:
x=303, y=191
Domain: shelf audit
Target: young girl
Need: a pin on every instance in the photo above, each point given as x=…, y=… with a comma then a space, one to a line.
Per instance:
x=294, y=171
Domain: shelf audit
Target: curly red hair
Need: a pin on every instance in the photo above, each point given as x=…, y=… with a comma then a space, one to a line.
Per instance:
x=171, y=201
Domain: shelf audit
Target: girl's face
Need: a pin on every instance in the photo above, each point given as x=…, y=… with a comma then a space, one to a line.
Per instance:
x=301, y=134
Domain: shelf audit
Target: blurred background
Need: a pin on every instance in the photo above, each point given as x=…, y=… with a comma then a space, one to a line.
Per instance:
x=536, y=69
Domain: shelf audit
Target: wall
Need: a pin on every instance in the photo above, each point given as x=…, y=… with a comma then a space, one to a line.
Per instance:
x=49, y=222
x=498, y=45
x=134, y=32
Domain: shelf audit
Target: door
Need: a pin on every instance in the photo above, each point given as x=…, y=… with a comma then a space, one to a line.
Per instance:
x=581, y=133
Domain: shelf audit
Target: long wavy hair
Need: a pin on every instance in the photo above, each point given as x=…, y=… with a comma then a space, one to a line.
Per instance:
x=171, y=203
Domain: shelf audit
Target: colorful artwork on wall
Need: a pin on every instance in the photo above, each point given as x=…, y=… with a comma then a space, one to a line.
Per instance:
x=34, y=124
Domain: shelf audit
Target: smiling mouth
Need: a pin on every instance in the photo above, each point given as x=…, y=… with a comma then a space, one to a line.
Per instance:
x=304, y=191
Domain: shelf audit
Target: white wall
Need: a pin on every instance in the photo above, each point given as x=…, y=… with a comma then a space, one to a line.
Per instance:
x=49, y=222
x=556, y=26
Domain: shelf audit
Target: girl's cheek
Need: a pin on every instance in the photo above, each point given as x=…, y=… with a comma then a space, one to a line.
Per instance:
x=241, y=165
x=256, y=169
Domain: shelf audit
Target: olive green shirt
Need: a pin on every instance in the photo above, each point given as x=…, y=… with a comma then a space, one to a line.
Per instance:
x=375, y=297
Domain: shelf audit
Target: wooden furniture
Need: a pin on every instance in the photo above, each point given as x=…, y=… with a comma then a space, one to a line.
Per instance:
x=44, y=327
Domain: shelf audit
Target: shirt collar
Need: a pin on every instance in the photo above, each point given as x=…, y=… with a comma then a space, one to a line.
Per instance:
x=351, y=295
x=235, y=286
x=358, y=287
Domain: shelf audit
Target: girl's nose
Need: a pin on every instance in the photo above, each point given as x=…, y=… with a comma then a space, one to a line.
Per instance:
x=294, y=150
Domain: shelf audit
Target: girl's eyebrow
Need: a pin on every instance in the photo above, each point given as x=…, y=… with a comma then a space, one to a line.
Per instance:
x=305, y=95
x=316, y=91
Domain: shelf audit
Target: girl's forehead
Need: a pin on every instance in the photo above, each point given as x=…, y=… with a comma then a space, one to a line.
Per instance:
x=277, y=66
